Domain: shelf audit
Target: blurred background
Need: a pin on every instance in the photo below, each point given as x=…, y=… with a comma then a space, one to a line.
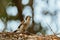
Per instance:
x=45, y=15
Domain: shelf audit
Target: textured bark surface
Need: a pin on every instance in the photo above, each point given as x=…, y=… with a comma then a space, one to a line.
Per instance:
x=20, y=36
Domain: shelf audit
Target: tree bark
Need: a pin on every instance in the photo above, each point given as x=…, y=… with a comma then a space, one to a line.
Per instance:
x=19, y=6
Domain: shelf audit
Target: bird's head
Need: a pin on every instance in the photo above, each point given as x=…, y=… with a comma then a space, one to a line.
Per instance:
x=28, y=17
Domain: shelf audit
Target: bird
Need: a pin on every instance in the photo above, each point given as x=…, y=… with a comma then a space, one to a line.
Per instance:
x=24, y=25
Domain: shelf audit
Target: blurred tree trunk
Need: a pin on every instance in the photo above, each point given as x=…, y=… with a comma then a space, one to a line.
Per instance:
x=3, y=15
x=19, y=6
x=31, y=29
x=3, y=4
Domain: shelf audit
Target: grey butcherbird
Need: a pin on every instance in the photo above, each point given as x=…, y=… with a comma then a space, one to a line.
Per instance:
x=24, y=25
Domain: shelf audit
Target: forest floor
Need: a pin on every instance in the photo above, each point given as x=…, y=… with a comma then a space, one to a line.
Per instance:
x=21, y=36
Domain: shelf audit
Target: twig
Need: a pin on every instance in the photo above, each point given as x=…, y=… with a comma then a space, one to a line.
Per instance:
x=52, y=30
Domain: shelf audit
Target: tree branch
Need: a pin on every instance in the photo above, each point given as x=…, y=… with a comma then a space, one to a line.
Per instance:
x=19, y=6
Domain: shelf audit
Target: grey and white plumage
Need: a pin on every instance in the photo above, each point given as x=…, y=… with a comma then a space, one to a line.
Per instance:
x=24, y=25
